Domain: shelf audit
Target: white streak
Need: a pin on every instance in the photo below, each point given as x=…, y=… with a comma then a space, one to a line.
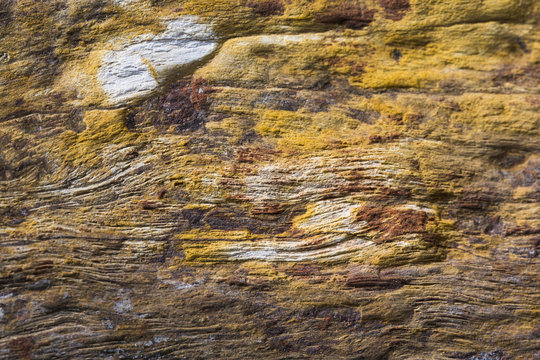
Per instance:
x=130, y=71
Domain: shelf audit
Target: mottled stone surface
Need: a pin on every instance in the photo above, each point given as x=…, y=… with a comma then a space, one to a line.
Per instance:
x=270, y=179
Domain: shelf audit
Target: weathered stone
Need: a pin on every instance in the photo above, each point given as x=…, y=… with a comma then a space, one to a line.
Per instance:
x=137, y=67
x=269, y=179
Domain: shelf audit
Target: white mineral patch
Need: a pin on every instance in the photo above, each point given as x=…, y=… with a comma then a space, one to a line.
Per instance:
x=136, y=67
x=281, y=40
x=123, y=2
x=123, y=306
x=332, y=216
x=417, y=208
x=179, y=285
x=7, y=296
x=334, y=247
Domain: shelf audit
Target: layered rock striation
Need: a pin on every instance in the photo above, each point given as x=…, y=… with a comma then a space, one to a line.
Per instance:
x=276, y=179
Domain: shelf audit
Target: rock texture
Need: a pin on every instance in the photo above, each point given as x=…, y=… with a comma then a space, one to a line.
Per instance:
x=272, y=179
x=135, y=69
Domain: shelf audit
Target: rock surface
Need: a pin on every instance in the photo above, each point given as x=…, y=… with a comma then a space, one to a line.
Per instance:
x=269, y=179
x=135, y=69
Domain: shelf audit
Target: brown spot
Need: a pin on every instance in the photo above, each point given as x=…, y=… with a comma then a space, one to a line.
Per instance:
x=131, y=155
x=522, y=231
x=184, y=107
x=254, y=155
x=395, y=192
x=326, y=322
x=199, y=94
x=6, y=12
x=283, y=343
x=476, y=225
x=376, y=139
x=412, y=120
x=22, y=346
x=528, y=76
x=149, y=205
x=374, y=282
x=303, y=270
x=12, y=215
x=478, y=199
x=397, y=118
x=58, y=302
x=236, y=281
x=273, y=328
x=133, y=330
x=350, y=15
x=266, y=209
x=368, y=117
x=495, y=226
x=41, y=267
x=271, y=219
x=392, y=222
x=391, y=194
x=358, y=69
x=267, y=8
x=451, y=105
x=395, y=9
x=162, y=193
x=532, y=101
